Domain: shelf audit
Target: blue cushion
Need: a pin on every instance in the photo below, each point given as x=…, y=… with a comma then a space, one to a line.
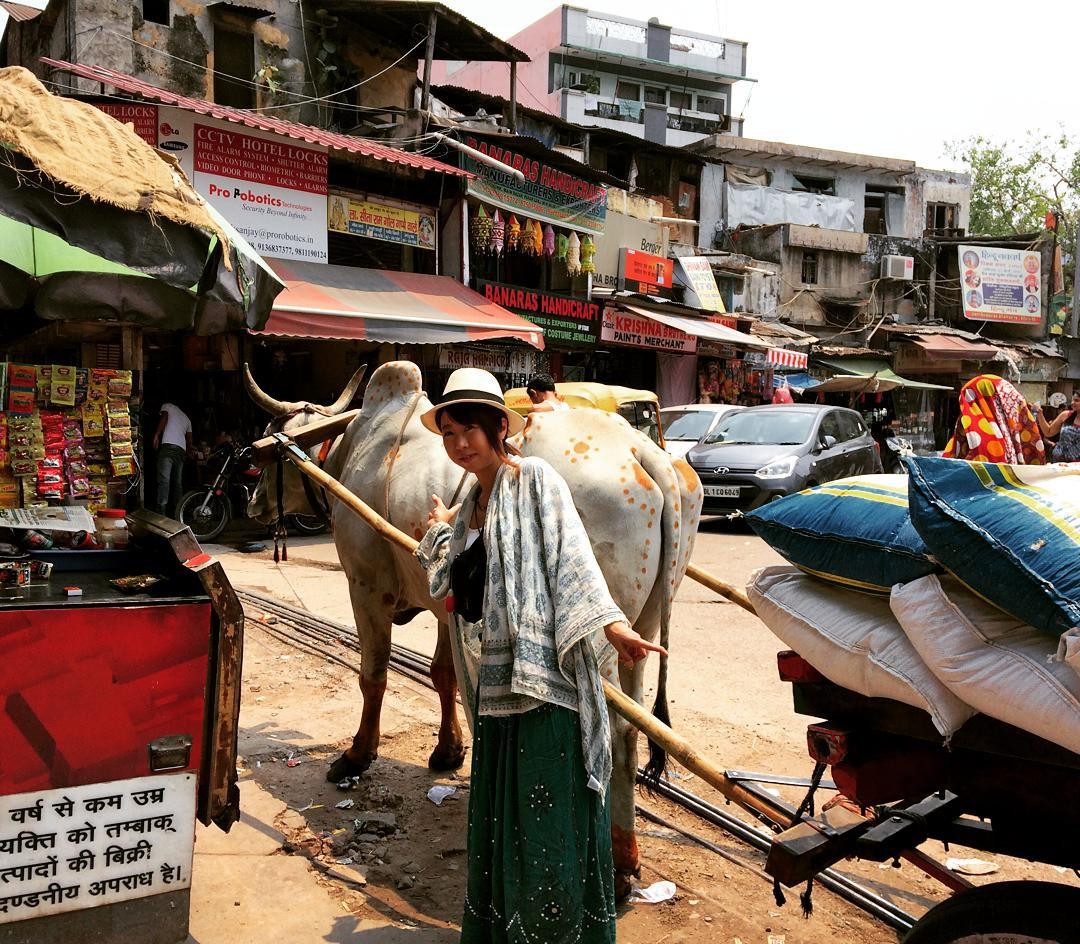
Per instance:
x=855, y=532
x=1010, y=533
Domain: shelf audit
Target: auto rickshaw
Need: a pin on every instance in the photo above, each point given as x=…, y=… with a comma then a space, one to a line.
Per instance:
x=640, y=408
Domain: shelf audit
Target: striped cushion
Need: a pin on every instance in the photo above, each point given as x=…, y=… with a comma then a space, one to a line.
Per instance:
x=1010, y=532
x=854, y=532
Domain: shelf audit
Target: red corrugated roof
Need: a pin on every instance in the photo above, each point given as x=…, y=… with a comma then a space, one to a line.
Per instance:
x=20, y=12
x=330, y=139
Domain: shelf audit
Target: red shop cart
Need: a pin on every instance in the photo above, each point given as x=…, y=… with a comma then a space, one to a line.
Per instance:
x=118, y=727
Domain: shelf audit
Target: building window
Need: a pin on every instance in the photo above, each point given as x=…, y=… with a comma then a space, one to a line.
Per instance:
x=714, y=106
x=234, y=68
x=655, y=96
x=628, y=91
x=809, y=268
x=156, y=11
x=808, y=184
x=942, y=216
x=680, y=100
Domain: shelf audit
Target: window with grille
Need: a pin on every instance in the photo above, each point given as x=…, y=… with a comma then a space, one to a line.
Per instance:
x=809, y=268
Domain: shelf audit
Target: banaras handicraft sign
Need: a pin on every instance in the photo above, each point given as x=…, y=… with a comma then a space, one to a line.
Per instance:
x=548, y=194
x=80, y=847
x=566, y=321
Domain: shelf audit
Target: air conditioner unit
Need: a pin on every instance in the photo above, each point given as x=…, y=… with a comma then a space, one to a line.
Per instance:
x=898, y=267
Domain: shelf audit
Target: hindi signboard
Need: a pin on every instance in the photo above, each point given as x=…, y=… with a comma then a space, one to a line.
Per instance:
x=272, y=189
x=621, y=327
x=1001, y=284
x=376, y=220
x=701, y=290
x=567, y=322
x=645, y=273
x=80, y=847
x=548, y=194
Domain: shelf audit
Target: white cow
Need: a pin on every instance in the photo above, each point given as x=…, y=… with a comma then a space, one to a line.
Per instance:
x=639, y=506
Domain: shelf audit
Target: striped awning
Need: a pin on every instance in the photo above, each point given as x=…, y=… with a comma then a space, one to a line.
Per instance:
x=343, y=303
x=785, y=359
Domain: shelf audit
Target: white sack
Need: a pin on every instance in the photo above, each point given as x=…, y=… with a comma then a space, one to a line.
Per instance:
x=1005, y=668
x=853, y=640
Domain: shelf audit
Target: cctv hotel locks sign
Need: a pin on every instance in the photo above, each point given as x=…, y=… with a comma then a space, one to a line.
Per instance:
x=567, y=322
x=272, y=189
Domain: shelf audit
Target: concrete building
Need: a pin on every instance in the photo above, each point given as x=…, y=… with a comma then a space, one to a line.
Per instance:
x=662, y=83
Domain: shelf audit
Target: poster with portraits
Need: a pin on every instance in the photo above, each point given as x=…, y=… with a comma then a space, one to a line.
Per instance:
x=1001, y=284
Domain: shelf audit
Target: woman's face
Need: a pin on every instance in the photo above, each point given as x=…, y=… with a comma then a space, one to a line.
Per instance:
x=1076, y=402
x=467, y=444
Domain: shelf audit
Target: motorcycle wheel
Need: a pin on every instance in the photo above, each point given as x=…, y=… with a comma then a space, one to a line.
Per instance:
x=206, y=522
x=306, y=524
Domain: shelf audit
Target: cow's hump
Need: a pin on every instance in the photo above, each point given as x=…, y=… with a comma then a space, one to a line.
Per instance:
x=391, y=387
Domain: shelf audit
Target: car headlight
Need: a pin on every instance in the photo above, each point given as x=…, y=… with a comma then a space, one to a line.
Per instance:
x=778, y=468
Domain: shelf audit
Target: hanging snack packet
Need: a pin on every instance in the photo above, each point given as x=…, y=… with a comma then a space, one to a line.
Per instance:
x=120, y=384
x=21, y=402
x=22, y=377
x=123, y=466
x=121, y=450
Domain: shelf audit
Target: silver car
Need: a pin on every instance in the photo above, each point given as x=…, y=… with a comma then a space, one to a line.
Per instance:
x=686, y=426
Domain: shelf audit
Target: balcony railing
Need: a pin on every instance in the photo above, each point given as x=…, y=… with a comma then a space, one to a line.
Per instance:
x=695, y=125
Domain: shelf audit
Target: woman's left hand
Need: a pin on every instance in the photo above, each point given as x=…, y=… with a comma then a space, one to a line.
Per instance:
x=628, y=644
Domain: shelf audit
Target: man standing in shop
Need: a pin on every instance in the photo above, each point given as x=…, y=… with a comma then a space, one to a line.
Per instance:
x=541, y=391
x=172, y=442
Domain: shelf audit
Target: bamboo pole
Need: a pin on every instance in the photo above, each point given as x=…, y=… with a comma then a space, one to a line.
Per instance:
x=734, y=594
x=657, y=731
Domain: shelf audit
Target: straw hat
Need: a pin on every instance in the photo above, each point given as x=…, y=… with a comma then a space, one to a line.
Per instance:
x=472, y=385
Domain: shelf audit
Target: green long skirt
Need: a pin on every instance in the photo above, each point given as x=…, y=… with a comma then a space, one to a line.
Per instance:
x=539, y=853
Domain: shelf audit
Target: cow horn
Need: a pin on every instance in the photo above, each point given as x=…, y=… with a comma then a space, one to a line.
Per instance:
x=263, y=399
x=342, y=402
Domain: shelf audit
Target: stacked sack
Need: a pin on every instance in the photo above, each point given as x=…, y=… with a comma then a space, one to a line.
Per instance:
x=955, y=589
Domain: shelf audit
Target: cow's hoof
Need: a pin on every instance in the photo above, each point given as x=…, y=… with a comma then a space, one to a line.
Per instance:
x=624, y=885
x=443, y=759
x=345, y=767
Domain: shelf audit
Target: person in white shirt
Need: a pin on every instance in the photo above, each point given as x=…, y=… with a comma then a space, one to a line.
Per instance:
x=172, y=441
x=541, y=391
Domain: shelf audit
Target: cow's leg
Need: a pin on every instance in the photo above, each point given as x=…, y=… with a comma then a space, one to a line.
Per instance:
x=373, y=623
x=624, y=849
x=449, y=753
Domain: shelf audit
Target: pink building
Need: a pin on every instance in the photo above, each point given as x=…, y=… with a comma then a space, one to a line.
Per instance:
x=657, y=82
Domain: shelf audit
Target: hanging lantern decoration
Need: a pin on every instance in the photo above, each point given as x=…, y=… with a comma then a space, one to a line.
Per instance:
x=537, y=239
x=562, y=244
x=513, y=233
x=573, y=255
x=588, y=250
x=498, y=233
x=481, y=230
x=525, y=241
x=549, y=240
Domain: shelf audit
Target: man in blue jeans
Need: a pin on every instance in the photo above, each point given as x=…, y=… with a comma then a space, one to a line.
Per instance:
x=172, y=440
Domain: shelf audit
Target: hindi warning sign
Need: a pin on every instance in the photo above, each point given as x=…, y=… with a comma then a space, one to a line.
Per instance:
x=79, y=847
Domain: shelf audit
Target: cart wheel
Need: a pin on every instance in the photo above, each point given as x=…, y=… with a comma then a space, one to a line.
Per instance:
x=306, y=524
x=1002, y=913
x=206, y=515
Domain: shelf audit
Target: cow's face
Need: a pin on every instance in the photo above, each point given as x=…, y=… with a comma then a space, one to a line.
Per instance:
x=289, y=418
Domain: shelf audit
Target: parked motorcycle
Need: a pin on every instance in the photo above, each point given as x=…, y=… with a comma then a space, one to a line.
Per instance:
x=893, y=449
x=209, y=509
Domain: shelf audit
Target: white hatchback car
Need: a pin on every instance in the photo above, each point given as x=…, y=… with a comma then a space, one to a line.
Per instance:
x=685, y=426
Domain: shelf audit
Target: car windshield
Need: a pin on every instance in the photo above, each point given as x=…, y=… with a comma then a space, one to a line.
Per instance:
x=687, y=424
x=781, y=427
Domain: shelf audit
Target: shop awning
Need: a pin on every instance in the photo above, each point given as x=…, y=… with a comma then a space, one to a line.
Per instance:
x=340, y=302
x=785, y=359
x=700, y=328
x=866, y=375
x=949, y=347
x=798, y=382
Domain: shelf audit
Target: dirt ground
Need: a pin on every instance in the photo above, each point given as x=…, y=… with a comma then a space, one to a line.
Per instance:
x=385, y=851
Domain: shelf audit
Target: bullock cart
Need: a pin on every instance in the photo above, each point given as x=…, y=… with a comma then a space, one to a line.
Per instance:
x=995, y=788
x=119, y=706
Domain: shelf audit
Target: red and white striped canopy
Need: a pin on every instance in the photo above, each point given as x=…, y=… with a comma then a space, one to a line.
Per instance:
x=791, y=360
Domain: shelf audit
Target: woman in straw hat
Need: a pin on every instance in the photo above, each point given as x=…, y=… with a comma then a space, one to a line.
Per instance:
x=532, y=626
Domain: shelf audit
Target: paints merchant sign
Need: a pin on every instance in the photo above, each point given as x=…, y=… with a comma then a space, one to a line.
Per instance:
x=567, y=322
x=548, y=194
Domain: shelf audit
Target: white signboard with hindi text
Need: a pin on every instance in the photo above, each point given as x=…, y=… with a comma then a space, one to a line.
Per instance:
x=1001, y=284
x=80, y=847
x=271, y=188
x=695, y=272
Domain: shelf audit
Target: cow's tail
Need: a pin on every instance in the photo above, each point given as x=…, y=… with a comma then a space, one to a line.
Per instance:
x=658, y=466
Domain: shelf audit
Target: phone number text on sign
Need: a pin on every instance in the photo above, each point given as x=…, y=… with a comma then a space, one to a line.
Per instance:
x=79, y=847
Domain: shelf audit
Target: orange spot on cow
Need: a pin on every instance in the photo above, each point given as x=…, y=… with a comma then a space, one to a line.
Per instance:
x=642, y=476
x=626, y=491
x=643, y=506
x=581, y=447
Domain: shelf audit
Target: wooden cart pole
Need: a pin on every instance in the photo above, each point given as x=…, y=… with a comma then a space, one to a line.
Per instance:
x=657, y=731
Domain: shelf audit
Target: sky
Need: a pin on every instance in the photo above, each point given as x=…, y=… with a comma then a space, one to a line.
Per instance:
x=892, y=80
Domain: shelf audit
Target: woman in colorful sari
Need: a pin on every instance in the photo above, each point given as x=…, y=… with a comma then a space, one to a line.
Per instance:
x=995, y=425
x=532, y=628
x=1066, y=426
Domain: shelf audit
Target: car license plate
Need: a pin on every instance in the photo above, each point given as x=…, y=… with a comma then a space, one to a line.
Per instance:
x=721, y=491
